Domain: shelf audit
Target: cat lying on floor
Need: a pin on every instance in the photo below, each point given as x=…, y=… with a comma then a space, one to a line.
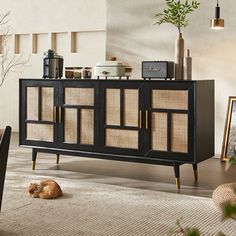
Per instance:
x=46, y=189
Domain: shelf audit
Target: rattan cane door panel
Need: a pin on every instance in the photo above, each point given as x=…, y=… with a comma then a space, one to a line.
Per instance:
x=131, y=107
x=32, y=103
x=39, y=132
x=121, y=119
x=122, y=138
x=112, y=106
x=38, y=120
x=179, y=132
x=170, y=135
x=81, y=115
x=87, y=126
x=170, y=99
x=79, y=96
x=159, y=131
x=47, y=100
x=70, y=125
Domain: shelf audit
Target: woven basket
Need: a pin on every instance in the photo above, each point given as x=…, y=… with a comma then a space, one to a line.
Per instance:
x=224, y=193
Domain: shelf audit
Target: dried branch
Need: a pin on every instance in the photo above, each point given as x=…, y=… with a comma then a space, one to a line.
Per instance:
x=8, y=63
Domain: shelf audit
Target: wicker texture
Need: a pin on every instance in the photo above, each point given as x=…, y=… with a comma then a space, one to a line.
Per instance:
x=112, y=106
x=47, y=104
x=179, y=132
x=170, y=99
x=70, y=125
x=79, y=96
x=131, y=107
x=40, y=132
x=87, y=126
x=122, y=138
x=159, y=131
x=223, y=194
x=32, y=103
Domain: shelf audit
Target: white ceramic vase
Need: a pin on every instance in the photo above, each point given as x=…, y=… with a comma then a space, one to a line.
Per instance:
x=187, y=66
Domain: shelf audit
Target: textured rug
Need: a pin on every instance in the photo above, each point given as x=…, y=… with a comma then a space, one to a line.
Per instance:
x=94, y=209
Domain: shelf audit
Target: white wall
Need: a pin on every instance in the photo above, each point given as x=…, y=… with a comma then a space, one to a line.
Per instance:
x=132, y=38
x=45, y=16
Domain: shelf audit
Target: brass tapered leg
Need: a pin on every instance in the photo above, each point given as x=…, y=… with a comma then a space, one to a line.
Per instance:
x=177, y=183
x=58, y=157
x=196, y=175
x=33, y=165
x=195, y=172
x=34, y=156
x=177, y=175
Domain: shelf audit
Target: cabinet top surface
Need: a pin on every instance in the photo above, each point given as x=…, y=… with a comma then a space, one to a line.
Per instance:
x=117, y=80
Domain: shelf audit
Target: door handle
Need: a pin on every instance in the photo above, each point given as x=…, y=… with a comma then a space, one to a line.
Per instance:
x=60, y=115
x=54, y=114
x=147, y=120
x=140, y=119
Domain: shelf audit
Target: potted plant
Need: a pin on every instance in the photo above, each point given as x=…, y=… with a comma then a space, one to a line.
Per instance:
x=176, y=14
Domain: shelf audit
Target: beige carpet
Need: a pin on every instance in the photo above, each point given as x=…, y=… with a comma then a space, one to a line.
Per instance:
x=95, y=209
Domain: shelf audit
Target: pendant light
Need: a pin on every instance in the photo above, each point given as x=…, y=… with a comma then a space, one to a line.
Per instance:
x=217, y=23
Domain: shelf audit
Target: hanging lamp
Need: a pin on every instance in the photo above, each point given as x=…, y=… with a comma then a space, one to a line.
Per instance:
x=217, y=22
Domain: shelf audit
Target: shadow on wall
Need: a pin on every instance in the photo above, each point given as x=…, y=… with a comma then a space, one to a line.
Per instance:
x=132, y=38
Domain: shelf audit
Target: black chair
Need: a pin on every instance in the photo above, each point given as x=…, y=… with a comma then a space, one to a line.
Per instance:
x=4, y=149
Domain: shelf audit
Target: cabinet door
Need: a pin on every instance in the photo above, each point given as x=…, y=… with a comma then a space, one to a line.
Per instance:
x=79, y=115
x=38, y=100
x=121, y=106
x=169, y=111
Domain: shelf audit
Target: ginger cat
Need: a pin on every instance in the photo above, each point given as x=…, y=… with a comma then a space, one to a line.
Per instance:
x=46, y=189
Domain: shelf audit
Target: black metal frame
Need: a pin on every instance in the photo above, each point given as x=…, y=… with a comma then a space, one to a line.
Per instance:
x=201, y=143
x=4, y=149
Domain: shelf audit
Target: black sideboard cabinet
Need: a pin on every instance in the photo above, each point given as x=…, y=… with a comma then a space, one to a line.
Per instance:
x=156, y=122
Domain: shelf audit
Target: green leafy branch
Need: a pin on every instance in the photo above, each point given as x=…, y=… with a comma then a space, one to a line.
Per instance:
x=229, y=210
x=176, y=13
x=230, y=161
x=184, y=231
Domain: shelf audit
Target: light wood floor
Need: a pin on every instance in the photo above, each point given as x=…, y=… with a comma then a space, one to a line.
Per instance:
x=134, y=175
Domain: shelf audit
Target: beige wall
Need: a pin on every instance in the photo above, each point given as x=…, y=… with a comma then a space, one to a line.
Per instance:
x=44, y=16
x=132, y=38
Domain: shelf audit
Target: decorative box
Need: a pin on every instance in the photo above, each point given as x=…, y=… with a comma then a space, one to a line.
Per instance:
x=158, y=69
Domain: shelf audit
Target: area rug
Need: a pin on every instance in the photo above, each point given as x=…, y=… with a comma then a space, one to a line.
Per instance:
x=94, y=209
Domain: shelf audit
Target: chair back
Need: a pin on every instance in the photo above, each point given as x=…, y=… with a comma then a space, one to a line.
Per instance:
x=4, y=149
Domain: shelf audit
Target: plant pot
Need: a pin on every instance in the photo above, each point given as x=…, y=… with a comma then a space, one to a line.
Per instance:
x=179, y=57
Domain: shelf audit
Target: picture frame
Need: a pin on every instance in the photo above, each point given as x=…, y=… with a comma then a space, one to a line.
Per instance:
x=229, y=139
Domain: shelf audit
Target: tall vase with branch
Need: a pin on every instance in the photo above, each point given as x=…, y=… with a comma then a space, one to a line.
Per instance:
x=176, y=14
x=8, y=62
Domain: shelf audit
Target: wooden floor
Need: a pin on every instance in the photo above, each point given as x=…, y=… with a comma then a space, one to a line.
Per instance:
x=134, y=175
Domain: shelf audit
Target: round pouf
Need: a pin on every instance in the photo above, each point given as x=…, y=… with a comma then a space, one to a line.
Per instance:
x=224, y=193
